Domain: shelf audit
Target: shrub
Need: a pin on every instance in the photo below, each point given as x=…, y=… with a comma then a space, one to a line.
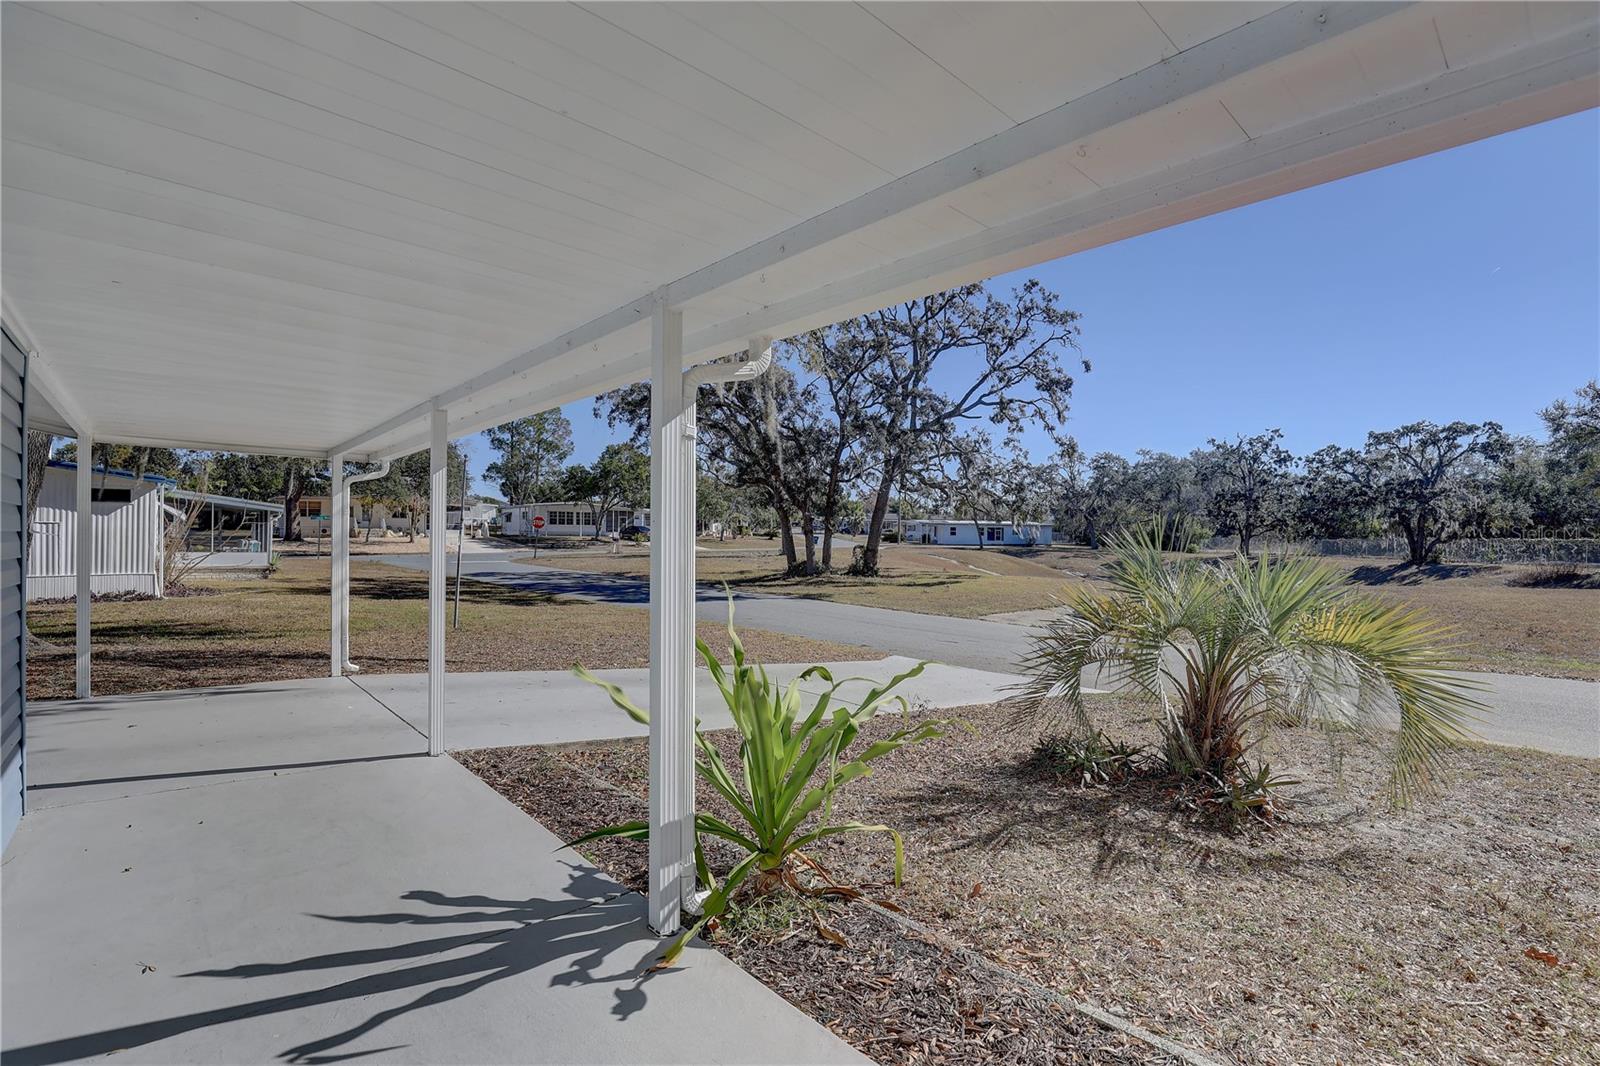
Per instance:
x=791, y=768
x=1230, y=650
x=1557, y=575
x=1088, y=761
x=1251, y=794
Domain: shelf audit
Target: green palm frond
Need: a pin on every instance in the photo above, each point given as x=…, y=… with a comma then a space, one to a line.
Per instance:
x=1231, y=649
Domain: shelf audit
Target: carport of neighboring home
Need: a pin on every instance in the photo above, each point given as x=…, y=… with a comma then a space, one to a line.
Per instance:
x=348, y=232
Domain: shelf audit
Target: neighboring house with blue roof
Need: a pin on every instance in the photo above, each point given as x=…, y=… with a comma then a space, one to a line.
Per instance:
x=132, y=518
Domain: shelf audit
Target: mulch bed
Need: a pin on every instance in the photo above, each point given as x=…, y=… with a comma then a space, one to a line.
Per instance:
x=1465, y=929
x=898, y=995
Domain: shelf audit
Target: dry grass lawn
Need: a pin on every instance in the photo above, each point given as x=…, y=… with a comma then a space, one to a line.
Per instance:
x=1504, y=627
x=962, y=584
x=1465, y=930
x=276, y=628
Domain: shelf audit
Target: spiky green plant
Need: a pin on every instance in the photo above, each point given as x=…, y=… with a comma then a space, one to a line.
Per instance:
x=1232, y=648
x=791, y=768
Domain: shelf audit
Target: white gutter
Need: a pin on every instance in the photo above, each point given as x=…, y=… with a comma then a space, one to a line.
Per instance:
x=370, y=475
x=757, y=361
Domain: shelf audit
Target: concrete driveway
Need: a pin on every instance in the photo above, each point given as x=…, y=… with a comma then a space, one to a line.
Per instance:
x=276, y=873
x=1550, y=714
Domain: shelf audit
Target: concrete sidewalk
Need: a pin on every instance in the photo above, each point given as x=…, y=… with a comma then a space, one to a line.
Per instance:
x=276, y=873
x=486, y=710
x=1546, y=713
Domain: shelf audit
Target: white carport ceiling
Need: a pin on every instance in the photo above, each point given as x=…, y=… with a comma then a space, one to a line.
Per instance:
x=296, y=228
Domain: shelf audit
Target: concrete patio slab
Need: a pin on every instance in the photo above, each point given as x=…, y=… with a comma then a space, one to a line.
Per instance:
x=390, y=907
x=485, y=710
x=154, y=741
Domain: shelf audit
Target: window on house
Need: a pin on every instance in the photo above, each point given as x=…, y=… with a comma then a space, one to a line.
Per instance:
x=111, y=495
x=952, y=531
x=994, y=533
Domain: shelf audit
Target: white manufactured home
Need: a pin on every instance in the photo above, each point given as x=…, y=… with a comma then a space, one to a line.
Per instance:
x=128, y=523
x=567, y=518
x=964, y=532
x=131, y=517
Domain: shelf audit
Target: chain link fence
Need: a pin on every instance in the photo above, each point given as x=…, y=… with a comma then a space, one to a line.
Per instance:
x=1466, y=550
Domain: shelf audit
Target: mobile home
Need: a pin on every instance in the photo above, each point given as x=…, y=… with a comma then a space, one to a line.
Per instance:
x=131, y=517
x=568, y=519
x=964, y=532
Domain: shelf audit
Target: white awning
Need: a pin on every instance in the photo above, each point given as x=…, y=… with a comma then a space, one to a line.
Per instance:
x=299, y=228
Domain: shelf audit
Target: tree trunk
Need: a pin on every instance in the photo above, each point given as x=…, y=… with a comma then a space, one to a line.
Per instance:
x=294, y=487
x=786, y=532
x=830, y=505
x=880, y=510
x=1245, y=537
x=807, y=520
x=1090, y=533
x=38, y=461
x=1416, y=542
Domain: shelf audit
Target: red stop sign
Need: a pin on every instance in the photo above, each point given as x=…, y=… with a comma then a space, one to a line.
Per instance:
x=538, y=521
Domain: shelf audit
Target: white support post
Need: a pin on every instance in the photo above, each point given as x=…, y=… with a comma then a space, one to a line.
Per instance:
x=683, y=530
x=671, y=626
x=339, y=568
x=85, y=560
x=438, y=482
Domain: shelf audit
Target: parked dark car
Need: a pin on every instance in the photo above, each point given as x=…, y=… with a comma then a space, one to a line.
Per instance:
x=634, y=532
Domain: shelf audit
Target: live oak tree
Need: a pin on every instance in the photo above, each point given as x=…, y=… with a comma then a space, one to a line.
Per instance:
x=264, y=477
x=996, y=485
x=1572, y=462
x=856, y=404
x=1008, y=355
x=38, y=461
x=531, y=453
x=410, y=480
x=620, y=476
x=1096, y=494
x=840, y=422
x=136, y=459
x=763, y=432
x=1421, y=478
x=1250, y=485
x=1333, y=504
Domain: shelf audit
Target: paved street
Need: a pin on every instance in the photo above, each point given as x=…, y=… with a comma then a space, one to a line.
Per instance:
x=1551, y=714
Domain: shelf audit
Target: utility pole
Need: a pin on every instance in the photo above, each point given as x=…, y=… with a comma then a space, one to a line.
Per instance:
x=461, y=549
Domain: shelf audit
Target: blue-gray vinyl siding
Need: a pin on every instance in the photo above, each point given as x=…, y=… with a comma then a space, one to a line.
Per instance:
x=13, y=565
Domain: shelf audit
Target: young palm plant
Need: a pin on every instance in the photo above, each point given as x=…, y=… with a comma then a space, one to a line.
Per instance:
x=791, y=768
x=1231, y=649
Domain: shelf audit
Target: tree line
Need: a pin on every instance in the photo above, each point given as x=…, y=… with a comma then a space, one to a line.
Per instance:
x=919, y=409
x=404, y=490
x=1427, y=483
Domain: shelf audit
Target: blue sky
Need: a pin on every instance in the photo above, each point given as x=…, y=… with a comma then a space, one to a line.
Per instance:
x=1464, y=284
